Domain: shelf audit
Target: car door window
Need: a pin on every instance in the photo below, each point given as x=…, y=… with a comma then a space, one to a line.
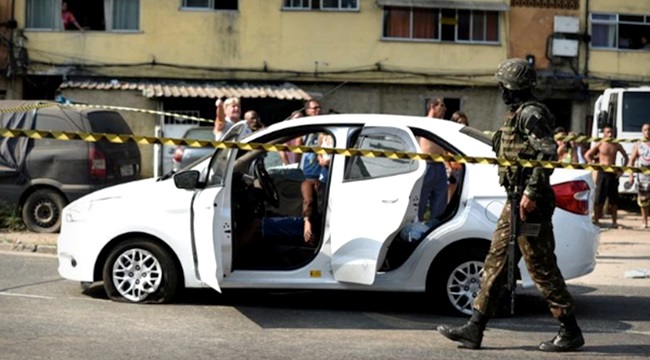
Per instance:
x=219, y=165
x=54, y=123
x=363, y=167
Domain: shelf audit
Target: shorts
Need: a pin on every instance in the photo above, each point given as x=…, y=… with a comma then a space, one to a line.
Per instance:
x=607, y=188
x=643, y=199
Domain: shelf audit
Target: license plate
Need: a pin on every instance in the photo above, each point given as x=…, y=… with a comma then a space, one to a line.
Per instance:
x=126, y=170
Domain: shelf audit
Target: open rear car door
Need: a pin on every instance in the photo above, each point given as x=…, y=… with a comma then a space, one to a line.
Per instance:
x=377, y=197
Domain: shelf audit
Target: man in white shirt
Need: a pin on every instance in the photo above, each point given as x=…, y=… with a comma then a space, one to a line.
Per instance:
x=228, y=113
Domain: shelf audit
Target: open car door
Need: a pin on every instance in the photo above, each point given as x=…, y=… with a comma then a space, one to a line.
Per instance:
x=376, y=198
x=211, y=215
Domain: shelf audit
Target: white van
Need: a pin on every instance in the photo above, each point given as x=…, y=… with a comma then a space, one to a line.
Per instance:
x=626, y=109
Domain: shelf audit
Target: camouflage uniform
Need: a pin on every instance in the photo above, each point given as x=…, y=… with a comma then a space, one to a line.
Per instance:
x=526, y=134
x=531, y=120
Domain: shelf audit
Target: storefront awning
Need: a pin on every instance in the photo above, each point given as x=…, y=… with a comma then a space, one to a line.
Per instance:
x=171, y=89
x=448, y=4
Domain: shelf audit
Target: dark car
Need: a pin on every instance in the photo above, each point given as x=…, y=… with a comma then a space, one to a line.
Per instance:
x=41, y=176
x=184, y=155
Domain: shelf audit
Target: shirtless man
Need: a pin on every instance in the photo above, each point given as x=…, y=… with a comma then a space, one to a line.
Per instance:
x=434, y=186
x=607, y=183
x=641, y=152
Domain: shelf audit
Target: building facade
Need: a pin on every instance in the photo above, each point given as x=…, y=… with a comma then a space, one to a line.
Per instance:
x=371, y=56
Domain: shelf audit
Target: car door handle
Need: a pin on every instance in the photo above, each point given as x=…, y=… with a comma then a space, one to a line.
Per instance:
x=389, y=201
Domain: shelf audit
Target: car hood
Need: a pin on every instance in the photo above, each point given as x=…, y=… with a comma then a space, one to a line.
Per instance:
x=138, y=191
x=138, y=187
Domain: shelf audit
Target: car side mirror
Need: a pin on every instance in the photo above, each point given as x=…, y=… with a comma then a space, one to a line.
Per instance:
x=602, y=119
x=187, y=179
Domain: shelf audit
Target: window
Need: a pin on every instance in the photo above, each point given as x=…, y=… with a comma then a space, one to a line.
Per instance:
x=98, y=15
x=467, y=26
x=362, y=167
x=211, y=4
x=338, y=5
x=49, y=122
x=618, y=31
x=219, y=164
x=635, y=105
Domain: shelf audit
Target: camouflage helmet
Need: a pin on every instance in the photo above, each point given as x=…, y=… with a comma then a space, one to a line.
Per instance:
x=516, y=74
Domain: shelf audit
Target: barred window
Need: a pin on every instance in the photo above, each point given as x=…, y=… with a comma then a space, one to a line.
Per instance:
x=210, y=4
x=553, y=4
x=337, y=5
x=433, y=24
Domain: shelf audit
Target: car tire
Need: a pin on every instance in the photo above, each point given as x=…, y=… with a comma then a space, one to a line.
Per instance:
x=42, y=210
x=455, y=283
x=141, y=271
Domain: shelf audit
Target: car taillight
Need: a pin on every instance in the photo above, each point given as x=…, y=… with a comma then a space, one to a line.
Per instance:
x=573, y=196
x=96, y=163
x=178, y=154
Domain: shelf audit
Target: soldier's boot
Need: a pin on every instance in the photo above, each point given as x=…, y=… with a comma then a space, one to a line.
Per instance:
x=470, y=334
x=569, y=337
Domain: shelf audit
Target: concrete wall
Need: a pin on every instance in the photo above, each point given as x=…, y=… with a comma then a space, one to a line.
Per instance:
x=530, y=28
x=482, y=105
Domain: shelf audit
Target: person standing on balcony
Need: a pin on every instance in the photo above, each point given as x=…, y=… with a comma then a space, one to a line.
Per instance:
x=68, y=19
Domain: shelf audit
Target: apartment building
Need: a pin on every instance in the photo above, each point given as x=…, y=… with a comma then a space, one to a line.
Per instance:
x=377, y=56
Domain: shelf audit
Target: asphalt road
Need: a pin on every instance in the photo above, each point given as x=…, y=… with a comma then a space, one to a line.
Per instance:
x=45, y=317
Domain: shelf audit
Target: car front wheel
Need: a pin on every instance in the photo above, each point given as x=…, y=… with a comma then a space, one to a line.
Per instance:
x=140, y=271
x=457, y=281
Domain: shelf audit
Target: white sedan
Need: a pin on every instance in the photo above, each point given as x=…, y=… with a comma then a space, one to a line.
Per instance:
x=235, y=219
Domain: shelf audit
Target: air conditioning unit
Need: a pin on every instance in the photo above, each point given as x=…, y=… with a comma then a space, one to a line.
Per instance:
x=565, y=48
x=565, y=29
x=566, y=24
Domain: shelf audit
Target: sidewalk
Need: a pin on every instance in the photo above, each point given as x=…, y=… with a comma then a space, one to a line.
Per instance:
x=620, y=250
x=28, y=241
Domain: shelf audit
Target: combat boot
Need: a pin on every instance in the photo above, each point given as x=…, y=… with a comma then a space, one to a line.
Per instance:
x=568, y=339
x=470, y=334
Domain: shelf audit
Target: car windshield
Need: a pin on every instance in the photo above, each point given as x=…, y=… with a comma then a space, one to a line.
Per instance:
x=634, y=110
x=200, y=134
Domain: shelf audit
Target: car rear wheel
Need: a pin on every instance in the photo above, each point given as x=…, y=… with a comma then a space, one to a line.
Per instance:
x=456, y=283
x=140, y=271
x=42, y=211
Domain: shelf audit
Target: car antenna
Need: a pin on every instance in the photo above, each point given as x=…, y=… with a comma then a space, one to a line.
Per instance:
x=322, y=97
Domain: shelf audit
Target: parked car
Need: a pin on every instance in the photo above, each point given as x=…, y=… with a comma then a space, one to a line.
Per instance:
x=184, y=155
x=199, y=227
x=41, y=176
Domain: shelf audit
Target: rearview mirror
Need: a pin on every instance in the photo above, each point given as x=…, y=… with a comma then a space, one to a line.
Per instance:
x=602, y=119
x=187, y=179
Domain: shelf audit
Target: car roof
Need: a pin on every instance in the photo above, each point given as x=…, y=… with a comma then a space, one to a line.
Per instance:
x=448, y=130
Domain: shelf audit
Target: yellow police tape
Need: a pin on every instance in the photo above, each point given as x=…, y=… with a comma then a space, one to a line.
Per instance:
x=150, y=140
x=581, y=138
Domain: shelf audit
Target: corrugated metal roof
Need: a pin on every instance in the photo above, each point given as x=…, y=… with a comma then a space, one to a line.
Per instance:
x=286, y=91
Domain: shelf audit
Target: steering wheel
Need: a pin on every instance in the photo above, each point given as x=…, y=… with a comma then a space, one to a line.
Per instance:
x=270, y=192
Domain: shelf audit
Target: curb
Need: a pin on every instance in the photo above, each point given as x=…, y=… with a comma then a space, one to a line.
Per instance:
x=17, y=245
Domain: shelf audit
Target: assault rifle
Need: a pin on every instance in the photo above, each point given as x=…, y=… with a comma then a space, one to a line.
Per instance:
x=517, y=228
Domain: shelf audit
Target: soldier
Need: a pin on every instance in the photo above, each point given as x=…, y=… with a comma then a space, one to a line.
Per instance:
x=526, y=134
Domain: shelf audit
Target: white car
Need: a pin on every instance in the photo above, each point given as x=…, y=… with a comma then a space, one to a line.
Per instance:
x=215, y=223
